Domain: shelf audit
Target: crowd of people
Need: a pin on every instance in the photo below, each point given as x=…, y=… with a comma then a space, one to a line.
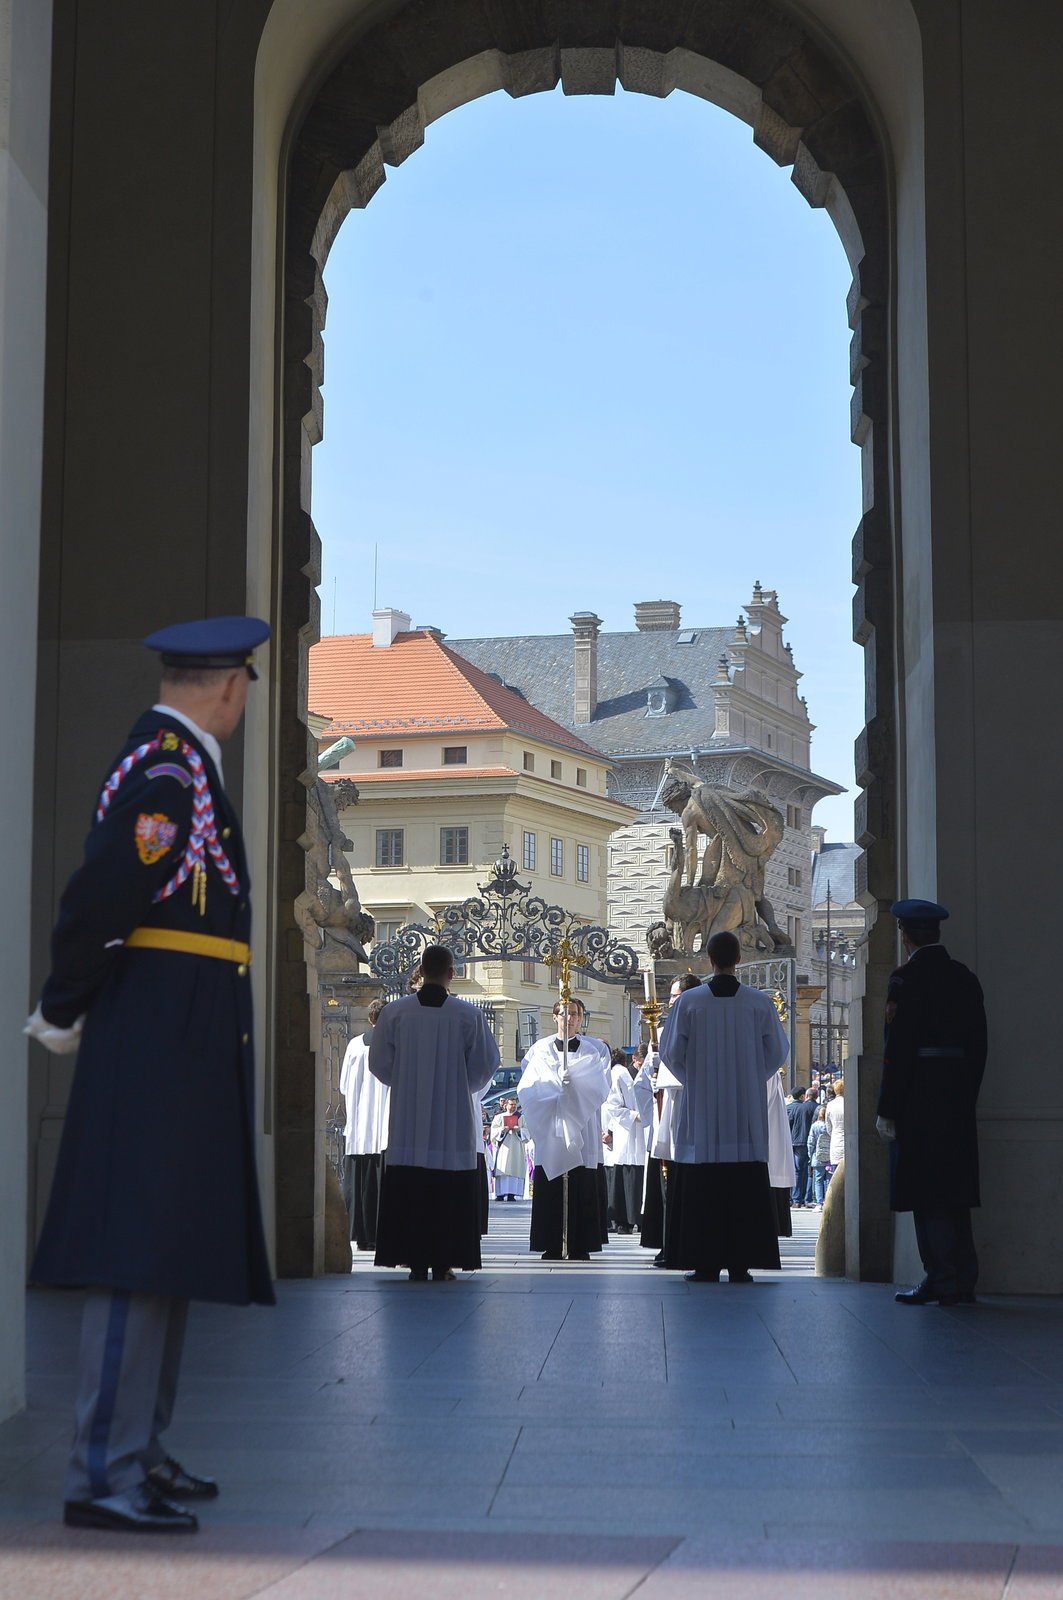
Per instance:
x=688, y=1144
x=817, y=1129
x=150, y=988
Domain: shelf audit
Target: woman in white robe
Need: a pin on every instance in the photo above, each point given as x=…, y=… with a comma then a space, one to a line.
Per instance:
x=561, y=1097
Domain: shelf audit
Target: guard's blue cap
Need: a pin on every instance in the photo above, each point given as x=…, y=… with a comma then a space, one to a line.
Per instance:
x=211, y=642
x=918, y=911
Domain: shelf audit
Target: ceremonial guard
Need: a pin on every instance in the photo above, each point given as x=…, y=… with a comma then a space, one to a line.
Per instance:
x=933, y=1062
x=155, y=1200
x=562, y=1091
x=366, y=1101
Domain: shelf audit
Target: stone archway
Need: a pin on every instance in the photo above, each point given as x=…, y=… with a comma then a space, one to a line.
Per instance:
x=394, y=78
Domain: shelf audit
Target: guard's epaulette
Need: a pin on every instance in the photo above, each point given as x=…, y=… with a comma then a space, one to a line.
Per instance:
x=189, y=771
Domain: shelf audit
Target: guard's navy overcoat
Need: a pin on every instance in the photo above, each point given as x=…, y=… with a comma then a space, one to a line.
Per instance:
x=155, y=1189
x=933, y=1062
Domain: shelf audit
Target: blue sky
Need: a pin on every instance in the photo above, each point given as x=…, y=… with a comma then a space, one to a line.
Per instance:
x=587, y=351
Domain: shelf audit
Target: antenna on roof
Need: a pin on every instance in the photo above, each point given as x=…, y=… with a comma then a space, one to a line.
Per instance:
x=335, y=582
x=376, y=552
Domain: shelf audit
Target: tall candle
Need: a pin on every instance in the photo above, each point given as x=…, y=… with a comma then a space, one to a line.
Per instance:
x=651, y=986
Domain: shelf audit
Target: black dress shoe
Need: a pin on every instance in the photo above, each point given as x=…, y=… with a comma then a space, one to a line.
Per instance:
x=170, y=1478
x=443, y=1275
x=701, y=1277
x=418, y=1275
x=138, y=1510
x=924, y=1296
x=739, y=1277
x=548, y=1256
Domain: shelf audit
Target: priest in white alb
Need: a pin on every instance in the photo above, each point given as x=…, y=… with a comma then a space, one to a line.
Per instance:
x=561, y=1096
x=435, y=1053
x=366, y=1102
x=723, y=1042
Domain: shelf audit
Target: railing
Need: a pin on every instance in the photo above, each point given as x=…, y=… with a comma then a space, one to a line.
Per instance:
x=779, y=979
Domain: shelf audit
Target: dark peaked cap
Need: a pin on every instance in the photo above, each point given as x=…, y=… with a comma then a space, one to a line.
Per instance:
x=918, y=911
x=210, y=642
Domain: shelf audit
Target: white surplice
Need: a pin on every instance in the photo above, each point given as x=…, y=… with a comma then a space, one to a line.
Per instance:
x=366, y=1100
x=782, y=1173
x=564, y=1120
x=657, y=1093
x=621, y=1117
x=722, y=1050
x=435, y=1058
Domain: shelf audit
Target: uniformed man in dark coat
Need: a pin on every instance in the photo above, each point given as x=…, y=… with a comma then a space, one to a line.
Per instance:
x=155, y=1200
x=934, y=1058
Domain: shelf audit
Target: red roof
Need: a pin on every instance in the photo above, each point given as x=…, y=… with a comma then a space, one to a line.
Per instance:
x=403, y=775
x=417, y=686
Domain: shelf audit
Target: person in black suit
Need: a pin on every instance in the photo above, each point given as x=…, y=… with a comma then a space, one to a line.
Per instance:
x=934, y=1059
x=155, y=1200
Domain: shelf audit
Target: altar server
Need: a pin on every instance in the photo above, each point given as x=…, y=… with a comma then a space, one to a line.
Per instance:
x=435, y=1053
x=655, y=1080
x=782, y=1170
x=625, y=1148
x=723, y=1042
x=366, y=1101
x=561, y=1098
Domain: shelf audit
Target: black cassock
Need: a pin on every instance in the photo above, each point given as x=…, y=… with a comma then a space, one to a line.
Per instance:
x=155, y=1187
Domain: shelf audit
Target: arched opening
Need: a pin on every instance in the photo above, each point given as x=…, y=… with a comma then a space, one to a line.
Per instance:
x=371, y=110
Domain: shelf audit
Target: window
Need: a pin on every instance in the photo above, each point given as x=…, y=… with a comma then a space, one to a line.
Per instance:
x=527, y=971
x=455, y=755
x=557, y=857
x=793, y=929
x=391, y=758
x=582, y=980
x=555, y=769
x=454, y=847
x=384, y=932
x=794, y=877
x=767, y=736
x=583, y=863
x=390, y=847
x=581, y=777
x=529, y=852
x=793, y=816
x=529, y=761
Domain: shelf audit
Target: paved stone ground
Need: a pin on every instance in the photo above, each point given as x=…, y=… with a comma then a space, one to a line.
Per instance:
x=530, y=1429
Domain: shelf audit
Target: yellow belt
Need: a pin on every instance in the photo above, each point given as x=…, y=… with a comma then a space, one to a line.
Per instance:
x=191, y=944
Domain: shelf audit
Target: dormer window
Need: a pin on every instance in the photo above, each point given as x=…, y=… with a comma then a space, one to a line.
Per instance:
x=660, y=698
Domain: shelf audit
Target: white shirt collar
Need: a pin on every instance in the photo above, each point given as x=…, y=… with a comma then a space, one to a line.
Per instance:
x=207, y=740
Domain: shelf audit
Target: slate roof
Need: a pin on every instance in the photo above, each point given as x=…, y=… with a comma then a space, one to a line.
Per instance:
x=540, y=668
x=835, y=864
x=417, y=685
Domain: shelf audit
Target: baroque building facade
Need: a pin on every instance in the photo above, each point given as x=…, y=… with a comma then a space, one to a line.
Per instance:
x=722, y=699
x=449, y=767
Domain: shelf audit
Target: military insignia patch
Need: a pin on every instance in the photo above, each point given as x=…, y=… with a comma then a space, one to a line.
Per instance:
x=154, y=835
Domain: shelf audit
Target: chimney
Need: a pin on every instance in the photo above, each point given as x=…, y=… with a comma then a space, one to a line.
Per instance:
x=585, y=627
x=656, y=616
x=386, y=624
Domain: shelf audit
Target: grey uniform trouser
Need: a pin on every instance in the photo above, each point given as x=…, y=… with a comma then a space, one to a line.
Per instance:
x=128, y=1365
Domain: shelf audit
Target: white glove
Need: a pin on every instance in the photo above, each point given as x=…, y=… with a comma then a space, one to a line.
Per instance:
x=885, y=1127
x=60, y=1041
